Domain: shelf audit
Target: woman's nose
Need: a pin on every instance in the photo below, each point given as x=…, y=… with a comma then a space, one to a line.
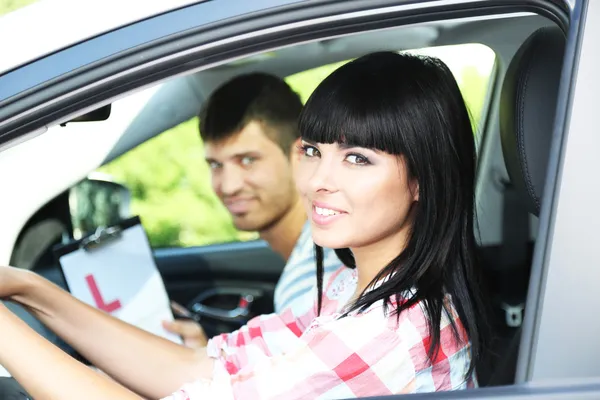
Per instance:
x=323, y=176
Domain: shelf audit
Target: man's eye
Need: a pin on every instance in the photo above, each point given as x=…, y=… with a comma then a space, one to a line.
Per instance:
x=247, y=160
x=214, y=165
x=357, y=159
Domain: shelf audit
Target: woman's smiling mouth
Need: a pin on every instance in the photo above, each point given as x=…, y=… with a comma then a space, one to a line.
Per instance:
x=324, y=214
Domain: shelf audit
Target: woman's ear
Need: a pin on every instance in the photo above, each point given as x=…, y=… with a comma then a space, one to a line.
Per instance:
x=414, y=189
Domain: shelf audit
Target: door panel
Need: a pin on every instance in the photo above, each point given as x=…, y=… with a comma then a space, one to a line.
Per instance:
x=560, y=330
x=225, y=284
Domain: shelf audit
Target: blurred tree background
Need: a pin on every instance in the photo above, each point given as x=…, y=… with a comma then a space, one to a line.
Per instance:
x=170, y=182
x=7, y=6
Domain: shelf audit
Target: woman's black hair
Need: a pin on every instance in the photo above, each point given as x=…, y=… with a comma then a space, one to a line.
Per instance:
x=412, y=106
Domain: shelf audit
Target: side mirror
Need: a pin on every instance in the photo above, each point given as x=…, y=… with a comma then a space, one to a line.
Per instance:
x=96, y=202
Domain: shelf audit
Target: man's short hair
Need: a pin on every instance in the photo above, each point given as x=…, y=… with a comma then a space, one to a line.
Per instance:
x=259, y=97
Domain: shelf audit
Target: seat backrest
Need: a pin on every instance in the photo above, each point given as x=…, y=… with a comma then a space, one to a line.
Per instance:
x=527, y=110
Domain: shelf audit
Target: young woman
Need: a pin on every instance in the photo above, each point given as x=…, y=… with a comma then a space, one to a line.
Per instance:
x=386, y=174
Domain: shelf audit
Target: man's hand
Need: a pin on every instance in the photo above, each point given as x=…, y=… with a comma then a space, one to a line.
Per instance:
x=192, y=333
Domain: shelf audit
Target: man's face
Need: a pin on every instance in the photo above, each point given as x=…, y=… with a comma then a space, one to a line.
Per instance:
x=252, y=176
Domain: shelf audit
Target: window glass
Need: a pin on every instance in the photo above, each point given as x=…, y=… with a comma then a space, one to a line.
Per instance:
x=472, y=66
x=169, y=180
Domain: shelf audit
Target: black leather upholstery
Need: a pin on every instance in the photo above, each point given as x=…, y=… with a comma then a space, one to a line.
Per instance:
x=527, y=109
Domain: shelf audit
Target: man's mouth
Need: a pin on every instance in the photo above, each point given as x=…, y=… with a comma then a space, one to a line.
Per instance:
x=238, y=207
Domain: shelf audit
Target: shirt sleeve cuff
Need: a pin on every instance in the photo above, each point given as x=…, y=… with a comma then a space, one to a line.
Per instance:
x=219, y=387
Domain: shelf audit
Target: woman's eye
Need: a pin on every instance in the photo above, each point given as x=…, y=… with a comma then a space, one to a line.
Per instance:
x=310, y=151
x=357, y=159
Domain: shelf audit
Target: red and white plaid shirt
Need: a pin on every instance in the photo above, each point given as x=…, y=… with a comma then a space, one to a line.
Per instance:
x=327, y=357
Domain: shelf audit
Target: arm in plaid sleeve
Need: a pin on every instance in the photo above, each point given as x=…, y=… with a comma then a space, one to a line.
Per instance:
x=350, y=357
x=270, y=334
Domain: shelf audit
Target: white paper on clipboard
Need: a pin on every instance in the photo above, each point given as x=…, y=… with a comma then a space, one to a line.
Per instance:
x=120, y=277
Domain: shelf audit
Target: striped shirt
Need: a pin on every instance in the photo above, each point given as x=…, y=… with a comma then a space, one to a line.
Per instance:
x=297, y=286
x=368, y=353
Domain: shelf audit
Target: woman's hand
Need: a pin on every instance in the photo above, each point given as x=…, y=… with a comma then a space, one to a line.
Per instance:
x=43, y=369
x=133, y=357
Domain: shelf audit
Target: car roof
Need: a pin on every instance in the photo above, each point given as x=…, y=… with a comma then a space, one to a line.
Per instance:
x=47, y=26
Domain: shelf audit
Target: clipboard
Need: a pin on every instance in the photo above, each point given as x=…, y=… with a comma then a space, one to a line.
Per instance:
x=114, y=270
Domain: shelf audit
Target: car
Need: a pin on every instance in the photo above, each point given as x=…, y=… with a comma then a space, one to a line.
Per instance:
x=78, y=104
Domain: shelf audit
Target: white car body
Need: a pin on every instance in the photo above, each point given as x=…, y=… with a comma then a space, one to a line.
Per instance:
x=62, y=23
x=558, y=351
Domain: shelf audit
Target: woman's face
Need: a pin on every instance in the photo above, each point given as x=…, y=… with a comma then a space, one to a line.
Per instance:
x=354, y=197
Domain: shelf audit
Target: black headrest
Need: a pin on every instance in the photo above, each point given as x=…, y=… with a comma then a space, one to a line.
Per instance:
x=527, y=110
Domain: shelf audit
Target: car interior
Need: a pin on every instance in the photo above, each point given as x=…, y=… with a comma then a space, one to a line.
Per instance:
x=513, y=141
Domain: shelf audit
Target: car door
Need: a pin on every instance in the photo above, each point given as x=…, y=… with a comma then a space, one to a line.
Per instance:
x=559, y=352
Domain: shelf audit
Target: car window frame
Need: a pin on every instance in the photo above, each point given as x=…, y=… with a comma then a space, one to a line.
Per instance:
x=174, y=134
x=210, y=43
x=553, y=271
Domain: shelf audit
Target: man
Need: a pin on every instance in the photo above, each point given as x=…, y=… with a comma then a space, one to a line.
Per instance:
x=250, y=134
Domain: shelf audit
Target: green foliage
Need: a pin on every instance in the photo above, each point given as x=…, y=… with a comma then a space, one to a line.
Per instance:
x=7, y=6
x=170, y=181
x=304, y=83
x=171, y=191
x=474, y=87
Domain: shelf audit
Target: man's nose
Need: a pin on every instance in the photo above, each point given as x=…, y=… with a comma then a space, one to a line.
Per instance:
x=231, y=180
